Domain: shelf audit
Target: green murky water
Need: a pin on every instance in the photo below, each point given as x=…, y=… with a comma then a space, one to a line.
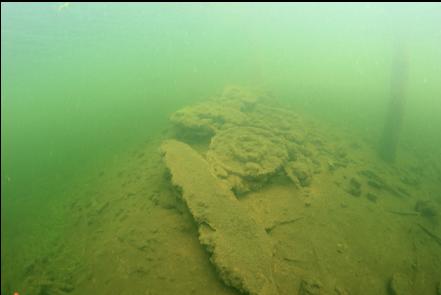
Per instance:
x=86, y=95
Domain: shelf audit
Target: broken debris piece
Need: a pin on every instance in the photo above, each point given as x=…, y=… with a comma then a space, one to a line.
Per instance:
x=310, y=287
x=400, y=284
x=354, y=187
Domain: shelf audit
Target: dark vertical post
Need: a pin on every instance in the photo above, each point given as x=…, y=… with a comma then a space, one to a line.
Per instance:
x=392, y=126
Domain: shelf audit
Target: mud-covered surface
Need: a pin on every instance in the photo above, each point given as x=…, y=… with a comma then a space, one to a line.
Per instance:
x=338, y=220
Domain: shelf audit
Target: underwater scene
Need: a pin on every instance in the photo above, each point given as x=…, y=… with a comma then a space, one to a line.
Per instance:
x=220, y=148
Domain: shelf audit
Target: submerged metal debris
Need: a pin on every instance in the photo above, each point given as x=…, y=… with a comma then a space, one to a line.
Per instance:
x=239, y=246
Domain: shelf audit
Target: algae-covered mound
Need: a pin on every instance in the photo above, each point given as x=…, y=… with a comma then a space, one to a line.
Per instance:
x=251, y=139
x=279, y=121
x=247, y=153
x=206, y=119
x=227, y=110
x=240, y=98
x=239, y=246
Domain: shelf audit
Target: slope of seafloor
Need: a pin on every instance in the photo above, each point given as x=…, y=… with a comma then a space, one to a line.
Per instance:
x=339, y=220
